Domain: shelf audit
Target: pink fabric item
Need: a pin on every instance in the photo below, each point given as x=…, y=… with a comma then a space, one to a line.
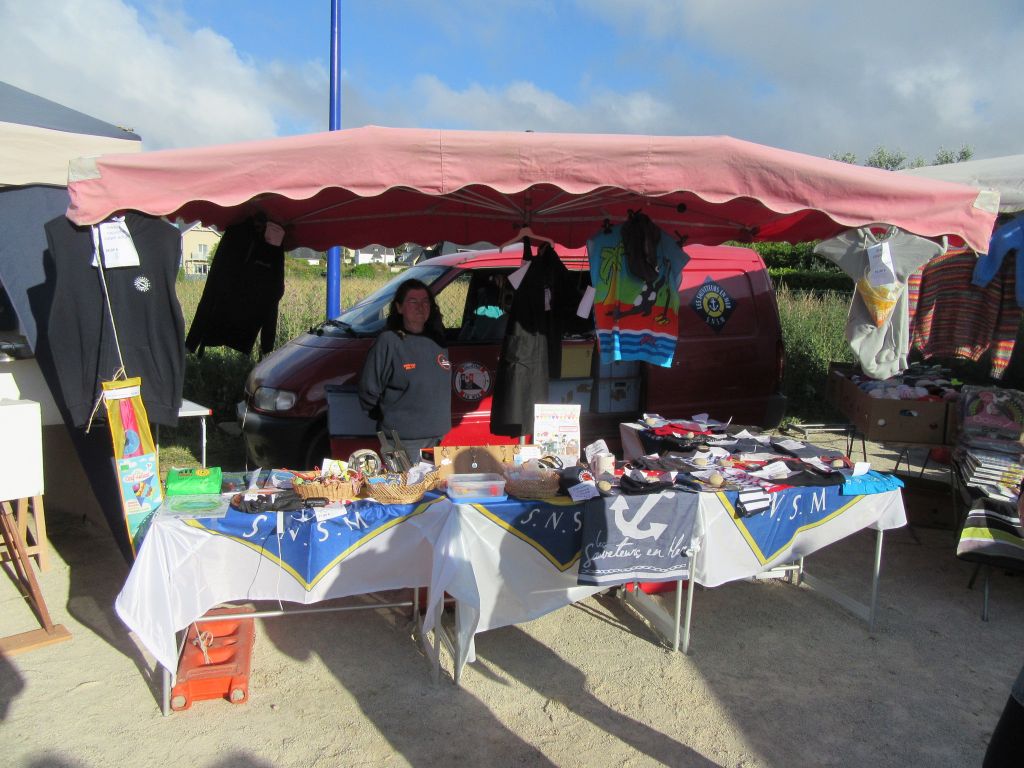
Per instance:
x=395, y=185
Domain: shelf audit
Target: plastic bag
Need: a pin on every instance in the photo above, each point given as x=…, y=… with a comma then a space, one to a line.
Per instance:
x=880, y=300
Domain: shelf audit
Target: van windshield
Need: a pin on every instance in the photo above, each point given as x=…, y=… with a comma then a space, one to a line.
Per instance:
x=367, y=316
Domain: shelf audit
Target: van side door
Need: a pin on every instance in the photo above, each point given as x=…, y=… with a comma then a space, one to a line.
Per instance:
x=474, y=307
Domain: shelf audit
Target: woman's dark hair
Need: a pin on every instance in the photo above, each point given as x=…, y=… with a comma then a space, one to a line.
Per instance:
x=434, y=328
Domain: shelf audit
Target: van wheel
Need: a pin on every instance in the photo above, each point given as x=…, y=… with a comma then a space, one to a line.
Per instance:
x=319, y=448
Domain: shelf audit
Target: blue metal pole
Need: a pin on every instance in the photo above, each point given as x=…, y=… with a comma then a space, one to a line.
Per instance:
x=334, y=253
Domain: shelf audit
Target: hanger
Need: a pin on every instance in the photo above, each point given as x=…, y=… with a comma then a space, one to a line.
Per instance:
x=526, y=232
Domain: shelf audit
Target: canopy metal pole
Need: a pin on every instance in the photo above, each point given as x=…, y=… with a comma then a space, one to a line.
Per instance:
x=334, y=253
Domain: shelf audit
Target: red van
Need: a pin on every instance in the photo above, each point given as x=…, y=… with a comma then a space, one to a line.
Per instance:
x=728, y=361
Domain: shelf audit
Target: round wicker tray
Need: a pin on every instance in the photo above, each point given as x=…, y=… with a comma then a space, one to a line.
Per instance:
x=339, y=491
x=543, y=487
x=395, y=493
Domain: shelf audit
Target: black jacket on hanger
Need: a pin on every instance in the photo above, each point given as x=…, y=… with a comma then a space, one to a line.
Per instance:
x=150, y=326
x=243, y=289
x=533, y=343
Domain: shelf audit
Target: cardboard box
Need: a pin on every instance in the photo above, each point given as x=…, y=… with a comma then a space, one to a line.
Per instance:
x=929, y=504
x=467, y=459
x=567, y=391
x=838, y=376
x=576, y=360
x=620, y=369
x=896, y=421
x=618, y=396
x=952, y=422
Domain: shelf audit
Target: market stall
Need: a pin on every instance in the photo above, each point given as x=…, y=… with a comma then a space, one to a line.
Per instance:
x=392, y=186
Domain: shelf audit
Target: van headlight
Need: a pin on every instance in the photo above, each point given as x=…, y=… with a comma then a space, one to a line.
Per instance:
x=268, y=399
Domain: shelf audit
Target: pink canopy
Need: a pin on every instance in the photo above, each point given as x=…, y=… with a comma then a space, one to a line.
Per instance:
x=395, y=185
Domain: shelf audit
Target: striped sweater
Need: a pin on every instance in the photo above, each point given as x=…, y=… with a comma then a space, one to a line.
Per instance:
x=951, y=318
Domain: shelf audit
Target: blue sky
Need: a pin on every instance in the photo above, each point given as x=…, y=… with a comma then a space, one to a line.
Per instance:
x=815, y=77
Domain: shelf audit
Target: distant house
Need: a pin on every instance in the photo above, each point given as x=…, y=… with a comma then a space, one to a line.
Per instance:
x=197, y=246
x=374, y=254
x=308, y=255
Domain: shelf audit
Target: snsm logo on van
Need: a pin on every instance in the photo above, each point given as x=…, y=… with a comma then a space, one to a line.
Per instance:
x=713, y=303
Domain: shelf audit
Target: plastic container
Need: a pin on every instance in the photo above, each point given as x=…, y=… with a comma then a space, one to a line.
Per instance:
x=223, y=672
x=478, y=488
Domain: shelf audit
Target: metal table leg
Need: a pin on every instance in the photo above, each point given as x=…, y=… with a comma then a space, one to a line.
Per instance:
x=202, y=432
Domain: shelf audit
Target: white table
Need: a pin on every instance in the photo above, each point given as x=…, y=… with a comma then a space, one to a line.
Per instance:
x=189, y=409
x=503, y=563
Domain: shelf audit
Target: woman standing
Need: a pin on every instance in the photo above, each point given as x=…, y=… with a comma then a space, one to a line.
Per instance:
x=406, y=380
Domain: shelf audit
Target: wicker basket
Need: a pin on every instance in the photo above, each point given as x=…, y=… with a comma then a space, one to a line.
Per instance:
x=532, y=486
x=346, y=490
x=401, y=493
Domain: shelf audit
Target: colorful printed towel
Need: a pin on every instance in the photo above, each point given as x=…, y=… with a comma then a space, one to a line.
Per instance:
x=635, y=319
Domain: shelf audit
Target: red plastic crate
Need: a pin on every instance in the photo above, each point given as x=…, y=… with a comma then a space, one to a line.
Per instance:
x=223, y=672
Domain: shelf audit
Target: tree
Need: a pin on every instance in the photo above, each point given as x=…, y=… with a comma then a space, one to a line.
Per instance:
x=883, y=158
x=845, y=157
x=946, y=156
x=897, y=160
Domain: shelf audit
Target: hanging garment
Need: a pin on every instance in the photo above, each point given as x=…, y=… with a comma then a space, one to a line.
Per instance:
x=1006, y=239
x=243, y=289
x=952, y=318
x=881, y=349
x=150, y=326
x=637, y=315
x=533, y=343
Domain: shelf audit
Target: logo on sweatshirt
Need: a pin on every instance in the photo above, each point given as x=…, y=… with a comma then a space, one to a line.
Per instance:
x=142, y=284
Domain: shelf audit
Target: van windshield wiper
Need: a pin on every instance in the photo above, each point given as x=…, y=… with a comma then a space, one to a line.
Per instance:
x=332, y=323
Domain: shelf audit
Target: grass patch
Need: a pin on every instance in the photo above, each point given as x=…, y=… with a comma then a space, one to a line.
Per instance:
x=813, y=327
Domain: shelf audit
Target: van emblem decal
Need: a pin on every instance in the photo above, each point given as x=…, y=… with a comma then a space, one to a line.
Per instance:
x=713, y=303
x=471, y=381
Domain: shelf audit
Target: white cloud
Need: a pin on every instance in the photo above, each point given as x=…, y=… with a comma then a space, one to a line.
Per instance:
x=914, y=75
x=522, y=106
x=820, y=77
x=174, y=82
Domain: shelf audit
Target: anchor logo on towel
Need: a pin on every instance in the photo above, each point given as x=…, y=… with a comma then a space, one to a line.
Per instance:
x=632, y=527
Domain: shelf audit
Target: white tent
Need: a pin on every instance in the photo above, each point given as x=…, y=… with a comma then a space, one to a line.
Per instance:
x=39, y=137
x=1002, y=174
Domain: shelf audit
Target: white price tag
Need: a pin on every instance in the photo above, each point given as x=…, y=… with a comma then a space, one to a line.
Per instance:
x=596, y=447
x=880, y=267
x=583, y=491
x=329, y=512
x=117, y=245
x=586, y=303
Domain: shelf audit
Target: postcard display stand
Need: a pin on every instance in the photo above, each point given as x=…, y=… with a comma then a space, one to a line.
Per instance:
x=21, y=497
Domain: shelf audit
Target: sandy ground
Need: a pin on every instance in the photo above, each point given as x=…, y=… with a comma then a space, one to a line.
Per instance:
x=777, y=676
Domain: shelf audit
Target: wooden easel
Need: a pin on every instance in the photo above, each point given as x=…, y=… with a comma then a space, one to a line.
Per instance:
x=50, y=633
